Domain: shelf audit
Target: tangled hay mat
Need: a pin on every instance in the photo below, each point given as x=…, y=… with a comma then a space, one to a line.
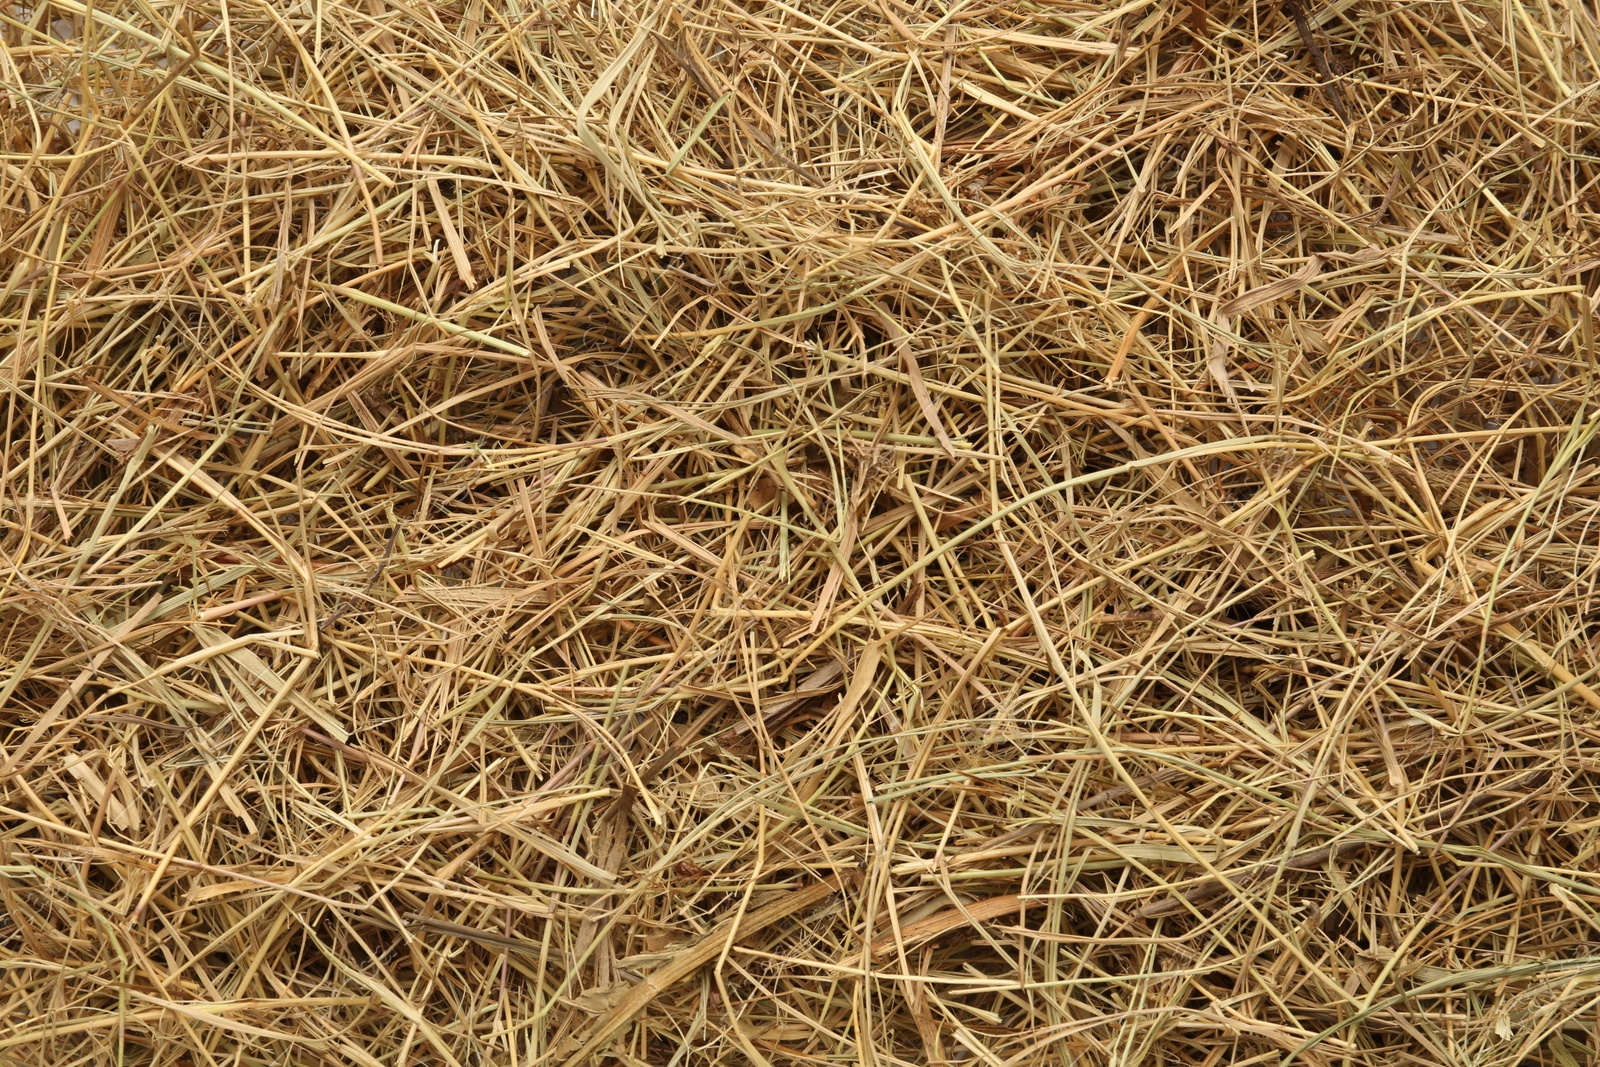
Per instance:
x=784, y=532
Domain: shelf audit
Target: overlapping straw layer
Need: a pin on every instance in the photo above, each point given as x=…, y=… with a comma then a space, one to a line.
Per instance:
x=868, y=532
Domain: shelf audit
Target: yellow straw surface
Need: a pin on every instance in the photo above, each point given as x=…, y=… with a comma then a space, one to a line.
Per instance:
x=799, y=532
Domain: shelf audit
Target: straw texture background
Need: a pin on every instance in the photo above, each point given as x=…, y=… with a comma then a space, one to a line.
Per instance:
x=799, y=532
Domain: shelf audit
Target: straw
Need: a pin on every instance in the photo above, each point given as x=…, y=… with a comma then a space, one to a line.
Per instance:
x=877, y=532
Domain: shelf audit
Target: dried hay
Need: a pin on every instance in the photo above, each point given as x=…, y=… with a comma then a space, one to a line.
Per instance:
x=798, y=533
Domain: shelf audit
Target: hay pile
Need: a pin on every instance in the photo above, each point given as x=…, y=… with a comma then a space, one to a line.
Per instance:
x=877, y=532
